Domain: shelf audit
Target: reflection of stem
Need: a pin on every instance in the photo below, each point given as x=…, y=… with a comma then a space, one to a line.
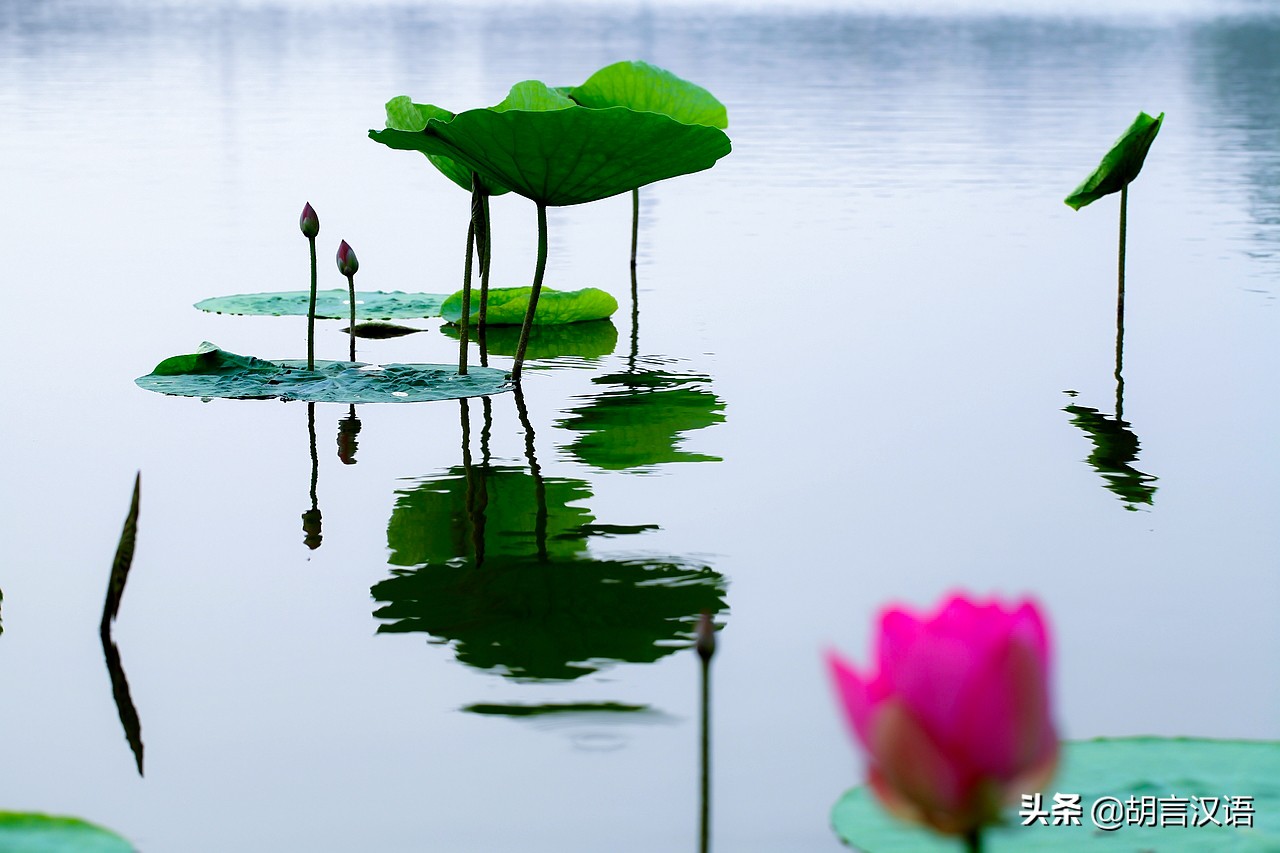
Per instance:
x=539, y=486
x=120, y=692
x=348, y=433
x=351, y=289
x=311, y=518
x=533, y=295
x=482, y=243
x=704, y=823
x=635, y=226
x=110, y=607
x=482, y=497
x=1124, y=207
x=311, y=311
x=464, y=324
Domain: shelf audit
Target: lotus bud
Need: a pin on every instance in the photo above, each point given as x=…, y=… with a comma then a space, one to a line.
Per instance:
x=347, y=263
x=955, y=719
x=706, y=637
x=309, y=223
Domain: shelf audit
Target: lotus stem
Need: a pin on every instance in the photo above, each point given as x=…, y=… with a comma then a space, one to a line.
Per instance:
x=464, y=324
x=351, y=290
x=483, y=239
x=635, y=229
x=973, y=840
x=311, y=311
x=533, y=295
x=635, y=322
x=1124, y=211
x=704, y=821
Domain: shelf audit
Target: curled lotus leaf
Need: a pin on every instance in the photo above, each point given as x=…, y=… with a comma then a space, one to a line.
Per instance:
x=212, y=372
x=571, y=155
x=508, y=305
x=1121, y=164
x=404, y=114
x=645, y=87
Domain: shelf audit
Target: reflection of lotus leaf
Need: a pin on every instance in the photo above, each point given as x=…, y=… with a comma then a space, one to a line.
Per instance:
x=212, y=372
x=430, y=522
x=330, y=304
x=589, y=339
x=1115, y=449
x=1121, y=164
x=556, y=619
x=640, y=419
x=508, y=305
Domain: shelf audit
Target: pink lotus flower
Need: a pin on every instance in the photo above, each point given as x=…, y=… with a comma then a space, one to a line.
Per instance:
x=956, y=721
x=347, y=263
x=309, y=222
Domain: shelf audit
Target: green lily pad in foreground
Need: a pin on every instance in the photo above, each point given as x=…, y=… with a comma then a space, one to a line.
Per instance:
x=330, y=304
x=508, y=305
x=23, y=832
x=1163, y=768
x=211, y=372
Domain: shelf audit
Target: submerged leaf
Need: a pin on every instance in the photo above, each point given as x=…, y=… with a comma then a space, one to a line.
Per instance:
x=641, y=86
x=567, y=156
x=381, y=331
x=25, y=832
x=404, y=114
x=508, y=305
x=590, y=339
x=212, y=372
x=330, y=304
x=1121, y=164
x=1179, y=769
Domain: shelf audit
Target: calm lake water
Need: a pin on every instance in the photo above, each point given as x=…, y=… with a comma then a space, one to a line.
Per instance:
x=875, y=362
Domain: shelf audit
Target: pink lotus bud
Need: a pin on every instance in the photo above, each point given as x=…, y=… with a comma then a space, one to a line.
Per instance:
x=706, y=636
x=347, y=263
x=309, y=223
x=956, y=721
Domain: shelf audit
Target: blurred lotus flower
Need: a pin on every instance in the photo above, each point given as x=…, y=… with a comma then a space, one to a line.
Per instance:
x=347, y=263
x=956, y=721
x=309, y=222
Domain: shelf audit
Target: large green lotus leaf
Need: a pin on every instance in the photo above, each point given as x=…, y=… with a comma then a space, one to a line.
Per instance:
x=24, y=832
x=212, y=372
x=568, y=156
x=641, y=418
x=440, y=518
x=1121, y=164
x=1122, y=768
x=330, y=304
x=508, y=305
x=404, y=114
x=553, y=619
x=1115, y=449
x=641, y=86
x=532, y=95
x=591, y=339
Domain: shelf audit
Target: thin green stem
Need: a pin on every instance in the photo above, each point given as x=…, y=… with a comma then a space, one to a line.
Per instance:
x=311, y=311
x=1124, y=211
x=351, y=291
x=973, y=840
x=483, y=241
x=635, y=224
x=464, y=324
x=704, y=822
x=533, y=296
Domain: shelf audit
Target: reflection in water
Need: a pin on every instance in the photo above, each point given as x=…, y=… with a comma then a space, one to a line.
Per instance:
x=501, y=567
x=556, y=708
x=705, y=644
x=590, y=340
x=348, y=432
x=640, y=417
x=311, y=535
x=110, y=607
x=1, y=603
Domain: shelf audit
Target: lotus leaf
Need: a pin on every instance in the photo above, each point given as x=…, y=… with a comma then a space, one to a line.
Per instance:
x=567, y=156
x=508, y=306
x=533, y=95
x=24, y=832
x=641, y=86
x=404, y=114
x=590, y=339
x=1121, y=768
x=1121, y=164
x=330, y=304
x=211, y=372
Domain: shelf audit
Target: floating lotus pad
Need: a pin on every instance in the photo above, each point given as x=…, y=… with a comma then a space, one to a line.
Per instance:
x=589, y=339
x=641, y=86
x=570, y=155
x=330, y=304
x=211, y=372
x=1121, y=164
x=508, y=305
x=1121, y=768
x=24, y=832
